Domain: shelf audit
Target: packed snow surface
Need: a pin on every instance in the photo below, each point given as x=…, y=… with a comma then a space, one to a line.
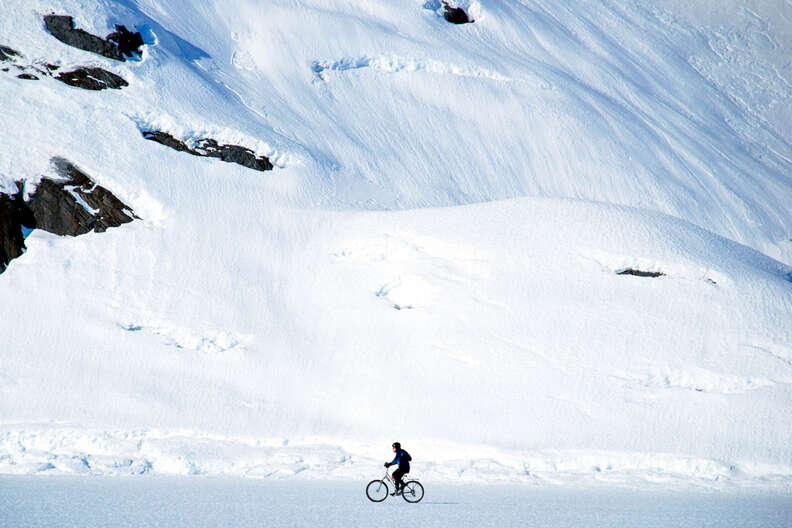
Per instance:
x=438, y=256
x=29, y=502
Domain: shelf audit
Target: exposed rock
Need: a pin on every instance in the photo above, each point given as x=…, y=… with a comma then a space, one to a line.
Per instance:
x=89, y=78
x=75, y=205
x=117, y=45
x=455, y=15
x=92, y=79
x=71, y=205
x=7, y=54
x=128, y=43
x=209, y=147
x=62, y=28
x=640, y=273
x=12, y=243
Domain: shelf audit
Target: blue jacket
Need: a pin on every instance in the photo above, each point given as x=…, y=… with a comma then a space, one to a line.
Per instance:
x=402, y=459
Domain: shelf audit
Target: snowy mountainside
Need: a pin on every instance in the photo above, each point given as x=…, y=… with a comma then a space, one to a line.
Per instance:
x=441, y=252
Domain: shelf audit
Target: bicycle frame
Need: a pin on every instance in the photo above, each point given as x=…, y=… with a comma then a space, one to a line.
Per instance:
x=389, y=478
x=390, y=488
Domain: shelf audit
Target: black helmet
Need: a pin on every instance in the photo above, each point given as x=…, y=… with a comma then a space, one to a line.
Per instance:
x=397, y=445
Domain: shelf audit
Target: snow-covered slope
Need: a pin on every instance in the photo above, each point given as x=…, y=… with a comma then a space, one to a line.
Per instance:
x=435, y=256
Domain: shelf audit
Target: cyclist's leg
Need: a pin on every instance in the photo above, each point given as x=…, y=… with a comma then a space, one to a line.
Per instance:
x=397, y=478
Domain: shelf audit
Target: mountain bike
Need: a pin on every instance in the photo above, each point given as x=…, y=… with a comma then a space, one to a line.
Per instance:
x=378, y=490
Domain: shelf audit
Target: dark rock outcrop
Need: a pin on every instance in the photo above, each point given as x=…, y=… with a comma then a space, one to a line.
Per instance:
x=209, y=147
x=640, y=273
x=7, y=54
x=72, y=204
x=13, y=215
x=128, y=43
x=92, y=79
x=88, y=78
x=75, y=205
x=455, y=15
x=117, y=45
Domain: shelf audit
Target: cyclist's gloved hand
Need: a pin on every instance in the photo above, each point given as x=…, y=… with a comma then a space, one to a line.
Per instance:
x=387, y=464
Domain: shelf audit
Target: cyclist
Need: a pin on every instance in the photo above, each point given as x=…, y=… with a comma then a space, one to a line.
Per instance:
x=402, y=459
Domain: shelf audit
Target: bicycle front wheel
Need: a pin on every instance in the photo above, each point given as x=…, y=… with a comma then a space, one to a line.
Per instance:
x=413, y=491
x=377, y=491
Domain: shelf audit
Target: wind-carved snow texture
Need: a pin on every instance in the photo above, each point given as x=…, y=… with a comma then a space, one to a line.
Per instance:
x=395, y=64
x=201, y=341
x=767, y=89
x=416, y=269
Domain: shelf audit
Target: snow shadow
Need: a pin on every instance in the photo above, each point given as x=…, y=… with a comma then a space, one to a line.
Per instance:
x=153, y=32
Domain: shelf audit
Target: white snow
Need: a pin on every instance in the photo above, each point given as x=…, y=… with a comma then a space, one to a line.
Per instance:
x=197, y=502
x=434, y=258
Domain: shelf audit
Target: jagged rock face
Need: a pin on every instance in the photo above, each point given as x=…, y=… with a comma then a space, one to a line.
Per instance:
x=455, y=15
x=62, y=28
x=128, y=43
x=92, y=79
x=87, y=78
x=57, y=208
x=71, y=205
x=209, y=147
x=12, y=243
x=7, y=53
x=117, y=45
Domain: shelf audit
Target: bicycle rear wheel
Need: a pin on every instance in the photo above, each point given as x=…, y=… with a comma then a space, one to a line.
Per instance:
x=377, y=491
x=413, y=491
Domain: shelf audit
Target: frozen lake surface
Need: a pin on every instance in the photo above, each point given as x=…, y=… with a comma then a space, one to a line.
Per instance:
x=195, y=501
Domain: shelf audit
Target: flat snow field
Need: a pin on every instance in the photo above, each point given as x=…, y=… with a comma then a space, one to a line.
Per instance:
x=30, y=501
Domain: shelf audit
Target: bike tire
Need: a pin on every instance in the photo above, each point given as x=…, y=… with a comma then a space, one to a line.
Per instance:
x=413, y=491
x=377, y=491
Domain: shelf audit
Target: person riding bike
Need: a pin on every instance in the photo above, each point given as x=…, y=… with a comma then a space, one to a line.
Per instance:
x=402, y=459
